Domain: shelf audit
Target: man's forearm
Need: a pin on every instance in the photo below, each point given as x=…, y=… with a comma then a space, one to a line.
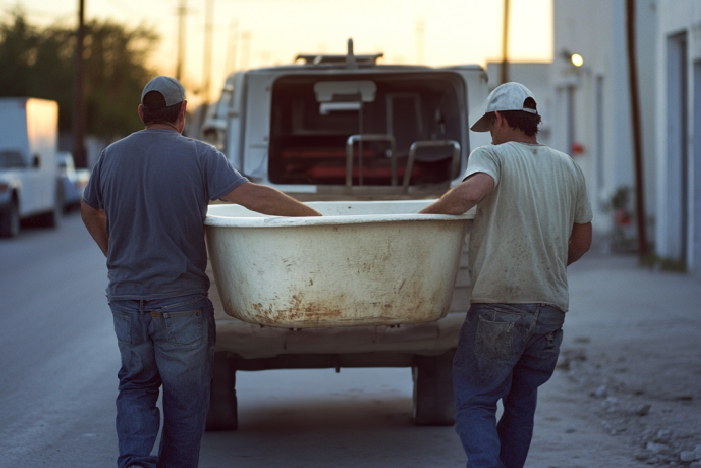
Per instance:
x=268, y=201
x=575, y=254
x=450, y=203
x=580, y=242
x=462, y=197
x=96, y=223
x=273, y=202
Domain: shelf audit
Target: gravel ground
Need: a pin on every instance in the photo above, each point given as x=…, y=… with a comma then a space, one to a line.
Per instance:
x=627, y=390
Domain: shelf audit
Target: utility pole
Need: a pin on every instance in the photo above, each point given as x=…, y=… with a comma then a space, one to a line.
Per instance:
x=245, y=49
x=207, y=61
x=635, y=121
x=420, y=31
x=181, y=11
x=505, y=45
x=231, y=56
x=78, y=90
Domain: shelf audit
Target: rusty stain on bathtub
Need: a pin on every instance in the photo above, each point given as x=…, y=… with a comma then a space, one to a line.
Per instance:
x=298, y=309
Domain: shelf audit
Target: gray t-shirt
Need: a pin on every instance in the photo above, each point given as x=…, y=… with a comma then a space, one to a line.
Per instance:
x=154, y=186
x=520, y=236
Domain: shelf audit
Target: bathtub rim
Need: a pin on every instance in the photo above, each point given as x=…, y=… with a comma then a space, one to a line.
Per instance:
x=268, y=221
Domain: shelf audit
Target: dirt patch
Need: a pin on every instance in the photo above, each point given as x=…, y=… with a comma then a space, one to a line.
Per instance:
x=627, y=390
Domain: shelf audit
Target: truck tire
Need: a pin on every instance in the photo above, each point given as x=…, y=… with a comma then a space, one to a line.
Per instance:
x=433, y=390
x=9, y=221
x=223, y=411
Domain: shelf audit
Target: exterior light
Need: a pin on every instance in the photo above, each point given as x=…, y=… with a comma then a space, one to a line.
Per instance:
x=577, y=60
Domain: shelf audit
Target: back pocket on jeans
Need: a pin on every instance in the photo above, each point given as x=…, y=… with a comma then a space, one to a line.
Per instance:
x=493, y=340
x=122, y=327
x=183, y=328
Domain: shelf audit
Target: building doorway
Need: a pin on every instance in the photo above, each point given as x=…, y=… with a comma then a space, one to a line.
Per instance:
x=677, y=147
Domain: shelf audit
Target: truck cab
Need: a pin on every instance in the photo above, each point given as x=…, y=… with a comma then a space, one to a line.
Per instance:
x=345, y=128
x=28, y=179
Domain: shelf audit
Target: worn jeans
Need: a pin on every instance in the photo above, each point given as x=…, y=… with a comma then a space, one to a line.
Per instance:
x=168, y=342
x=506, y=351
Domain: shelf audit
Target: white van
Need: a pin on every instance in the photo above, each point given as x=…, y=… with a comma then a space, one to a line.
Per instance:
x=342, y=127
x=28, y=181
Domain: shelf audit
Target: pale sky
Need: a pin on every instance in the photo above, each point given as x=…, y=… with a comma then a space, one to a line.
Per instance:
x=456, y=32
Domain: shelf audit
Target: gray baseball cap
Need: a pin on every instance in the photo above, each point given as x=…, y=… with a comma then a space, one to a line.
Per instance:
x=172, y=91
x=509, y=96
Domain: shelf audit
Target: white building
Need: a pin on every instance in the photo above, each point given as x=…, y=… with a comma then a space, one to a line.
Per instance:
x=591, y=112
x=586, y=110
x=678, y=128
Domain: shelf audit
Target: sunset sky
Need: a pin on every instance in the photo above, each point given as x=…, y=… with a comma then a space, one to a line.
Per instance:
x=455, y=31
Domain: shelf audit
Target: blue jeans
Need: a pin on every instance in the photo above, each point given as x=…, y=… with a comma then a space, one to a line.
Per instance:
x=506, y=351
x=168, y=342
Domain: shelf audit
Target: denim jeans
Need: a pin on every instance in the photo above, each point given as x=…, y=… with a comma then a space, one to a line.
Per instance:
x=168, y=342
x=506, y=351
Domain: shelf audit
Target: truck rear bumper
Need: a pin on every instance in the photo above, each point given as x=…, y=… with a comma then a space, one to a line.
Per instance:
x=251, y=341
x=324, y=361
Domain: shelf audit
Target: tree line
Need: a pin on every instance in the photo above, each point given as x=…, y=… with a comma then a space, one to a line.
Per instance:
x=39, y=62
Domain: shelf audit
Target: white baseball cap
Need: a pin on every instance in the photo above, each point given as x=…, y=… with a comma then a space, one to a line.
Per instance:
x=171, y=90
x=509, y=96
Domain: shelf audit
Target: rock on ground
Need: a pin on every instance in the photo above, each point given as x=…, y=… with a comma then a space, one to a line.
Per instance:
x=626, y=392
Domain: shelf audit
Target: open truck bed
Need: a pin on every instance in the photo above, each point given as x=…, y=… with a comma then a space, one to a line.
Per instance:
x=342, y=127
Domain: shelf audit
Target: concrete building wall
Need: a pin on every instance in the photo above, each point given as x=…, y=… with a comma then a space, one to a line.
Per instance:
x=592, y=103
x=678, y=131
x=587, y=110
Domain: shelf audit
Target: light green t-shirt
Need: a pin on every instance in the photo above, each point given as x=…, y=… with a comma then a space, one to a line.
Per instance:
x=520, y=235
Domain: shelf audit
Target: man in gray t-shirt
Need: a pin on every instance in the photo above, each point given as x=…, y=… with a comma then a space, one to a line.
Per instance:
x=533, y=219
x=145, y=206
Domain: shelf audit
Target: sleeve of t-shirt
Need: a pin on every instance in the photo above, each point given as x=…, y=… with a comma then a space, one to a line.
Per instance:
x=221, y=177
x=483, y=160
x=582, y=209
x=91, y=194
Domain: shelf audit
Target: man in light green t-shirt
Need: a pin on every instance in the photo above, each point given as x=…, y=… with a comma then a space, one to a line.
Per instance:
x=533, y=219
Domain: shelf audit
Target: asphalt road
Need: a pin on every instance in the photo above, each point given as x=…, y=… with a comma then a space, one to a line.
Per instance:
x=635, y=330
x=59, y=363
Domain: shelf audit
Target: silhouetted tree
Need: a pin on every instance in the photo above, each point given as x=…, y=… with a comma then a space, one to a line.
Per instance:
x=39, y=63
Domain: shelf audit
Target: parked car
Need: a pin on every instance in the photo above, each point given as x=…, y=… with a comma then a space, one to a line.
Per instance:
x=72, y=180
x=28, y=183
x=344, y=128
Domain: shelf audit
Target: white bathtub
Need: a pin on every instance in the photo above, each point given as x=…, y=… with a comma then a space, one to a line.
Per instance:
x=362, y=263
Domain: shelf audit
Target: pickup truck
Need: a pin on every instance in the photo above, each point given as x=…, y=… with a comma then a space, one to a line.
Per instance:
x=29, y=186
x=73, y=181
x=345, y=128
